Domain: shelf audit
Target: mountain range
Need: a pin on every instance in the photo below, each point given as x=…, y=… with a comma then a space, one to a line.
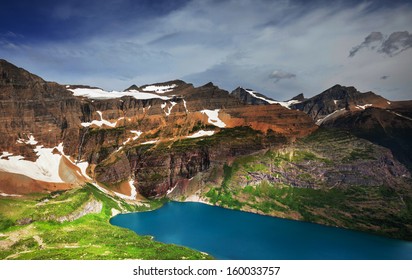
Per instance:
x=340, y=158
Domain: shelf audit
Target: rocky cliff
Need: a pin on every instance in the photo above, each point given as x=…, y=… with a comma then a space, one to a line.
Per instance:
x=117, y=137
x=339, y=98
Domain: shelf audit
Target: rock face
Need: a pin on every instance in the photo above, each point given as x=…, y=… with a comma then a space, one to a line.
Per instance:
x=247, y=98
x=385, y=127
x=337, y=98
x=155, y=134
x=366, y=115
x=156, y=138
x=31, y=106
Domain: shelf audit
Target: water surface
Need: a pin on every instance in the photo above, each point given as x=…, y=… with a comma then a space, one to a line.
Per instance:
x=229, y=234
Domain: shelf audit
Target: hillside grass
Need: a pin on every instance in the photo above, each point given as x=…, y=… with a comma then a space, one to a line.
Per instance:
x=28, y=230
x=256, y=183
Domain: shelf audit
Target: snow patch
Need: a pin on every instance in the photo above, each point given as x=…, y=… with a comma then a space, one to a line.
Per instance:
x=45, y=168
x=335, y=101
x=83, y=167
x=337, y=112
x=184, y=103
x=30, y=141
x=93, y=93
x=285, y=104
x=213, y=116
x=170, y=108
x=363, y=107
x=5, y=154
x=101, y=122
x=160, y=89
x=399, y=115
x=133, y=192
x=150, y=142
x=138, y=133
x=201, y=133
x=388, y=102
x=6, y=194
x=171, y=190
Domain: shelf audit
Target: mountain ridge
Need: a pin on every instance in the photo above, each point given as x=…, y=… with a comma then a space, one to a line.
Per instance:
x=313, y=159
x=94, y=127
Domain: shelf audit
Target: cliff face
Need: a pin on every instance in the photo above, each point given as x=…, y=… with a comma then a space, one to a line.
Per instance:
x=154, y=135
x=247, y=98
x=31, y=106
x=337, y=98
x=366, y=115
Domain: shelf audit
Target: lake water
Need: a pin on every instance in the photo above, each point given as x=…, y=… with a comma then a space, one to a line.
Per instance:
x=229, y=234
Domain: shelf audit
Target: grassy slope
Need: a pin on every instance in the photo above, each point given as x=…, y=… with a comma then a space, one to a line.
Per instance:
x=89, y=237
x=249, y=185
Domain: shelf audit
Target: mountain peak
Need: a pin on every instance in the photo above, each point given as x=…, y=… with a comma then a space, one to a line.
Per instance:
x=299, y=97
x=10, y=74
x=248, y=96
x=339, y=98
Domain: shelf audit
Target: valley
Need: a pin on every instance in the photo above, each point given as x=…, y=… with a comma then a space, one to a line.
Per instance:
x=72, y=156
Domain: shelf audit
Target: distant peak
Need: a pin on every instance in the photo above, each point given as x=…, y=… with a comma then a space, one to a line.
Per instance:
x=132, y=87
x=299, y=97
x=209, y=84
x=10, y=74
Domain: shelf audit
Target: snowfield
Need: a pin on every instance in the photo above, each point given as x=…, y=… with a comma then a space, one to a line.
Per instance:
x=201, y=133
x=160, y=89
x=213, y=116
x=101, y=122
x=45, y=168
x=363, y=107
x=94, y=93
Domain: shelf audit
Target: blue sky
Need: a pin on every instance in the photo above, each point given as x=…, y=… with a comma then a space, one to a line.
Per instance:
x=279, y=48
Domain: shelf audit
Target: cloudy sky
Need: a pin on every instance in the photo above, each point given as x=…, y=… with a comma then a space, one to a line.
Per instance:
x=279, y=48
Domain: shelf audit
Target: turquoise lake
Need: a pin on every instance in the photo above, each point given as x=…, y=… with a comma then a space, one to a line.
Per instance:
x=229, y=234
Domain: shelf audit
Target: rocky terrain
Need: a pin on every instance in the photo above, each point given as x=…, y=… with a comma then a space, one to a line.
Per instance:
x=115, y=135
x=340, y=158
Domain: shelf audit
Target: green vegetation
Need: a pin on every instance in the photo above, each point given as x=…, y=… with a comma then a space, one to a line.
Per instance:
x=288, y=183
x=199, y=126
x=88, y=237
x=372, y=209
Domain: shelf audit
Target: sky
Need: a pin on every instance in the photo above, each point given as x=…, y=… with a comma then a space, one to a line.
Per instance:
x=279, y=48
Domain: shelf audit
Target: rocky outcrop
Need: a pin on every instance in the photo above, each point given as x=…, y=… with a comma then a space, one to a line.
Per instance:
x=91, y=206
x=247, y=98
x=386, y=127
x=336, y=98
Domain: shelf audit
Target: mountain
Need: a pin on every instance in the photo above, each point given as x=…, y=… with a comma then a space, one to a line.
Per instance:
x=366, y=115
x=340, y=158
x=336, y=99
x=251, y=97
x=146, y=139
x=385, y=127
